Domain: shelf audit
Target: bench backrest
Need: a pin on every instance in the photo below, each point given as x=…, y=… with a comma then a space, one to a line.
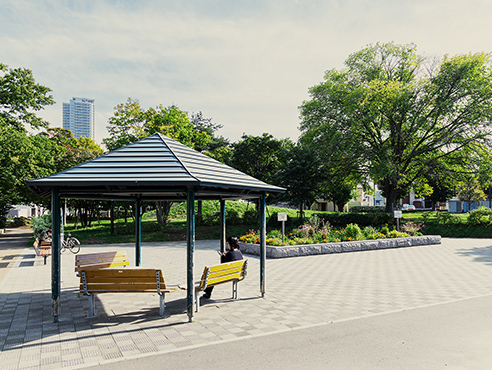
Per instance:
x=125, y=280
x=101, y=260
x=225, y=272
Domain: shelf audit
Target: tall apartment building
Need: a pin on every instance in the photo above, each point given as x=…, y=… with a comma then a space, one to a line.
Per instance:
x=79, y=116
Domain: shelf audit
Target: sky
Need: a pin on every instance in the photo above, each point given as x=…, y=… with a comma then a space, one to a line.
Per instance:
x=248, y=65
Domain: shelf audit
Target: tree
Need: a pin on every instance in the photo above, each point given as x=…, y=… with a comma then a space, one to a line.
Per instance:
x=20, y=95
x=20, y=158
x=302, y=174
x=216, y=147
x=471, y=192
x=260, y=156
x=391, y=113
x=126, y=125
x=131, y=123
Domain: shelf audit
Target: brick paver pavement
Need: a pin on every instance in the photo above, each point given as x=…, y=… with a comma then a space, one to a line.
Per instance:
x=301, y=292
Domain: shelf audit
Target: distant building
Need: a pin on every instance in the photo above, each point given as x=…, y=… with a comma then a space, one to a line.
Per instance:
x=79, y=117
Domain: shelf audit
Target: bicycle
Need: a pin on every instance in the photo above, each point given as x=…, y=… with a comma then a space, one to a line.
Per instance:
x=70, y=243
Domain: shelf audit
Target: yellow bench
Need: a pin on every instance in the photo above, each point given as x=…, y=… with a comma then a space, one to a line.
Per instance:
x=100, y=260
x=93, y=282
x=42, y=248
x=219, y=274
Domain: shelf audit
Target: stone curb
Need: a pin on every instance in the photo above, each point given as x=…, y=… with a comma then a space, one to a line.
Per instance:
x=340, y=247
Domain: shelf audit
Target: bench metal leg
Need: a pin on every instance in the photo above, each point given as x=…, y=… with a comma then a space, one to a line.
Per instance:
x=45, y=259
x=162, y=304
x=92, y=305
x=234, y=289
x=197, y=301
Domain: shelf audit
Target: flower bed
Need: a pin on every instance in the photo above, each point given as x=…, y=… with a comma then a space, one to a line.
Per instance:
x=316, y=231
x=339, y=247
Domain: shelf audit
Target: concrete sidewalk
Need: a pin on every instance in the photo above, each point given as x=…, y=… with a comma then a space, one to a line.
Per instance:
x=453, y=335
x=302, y=293
x=12, y=244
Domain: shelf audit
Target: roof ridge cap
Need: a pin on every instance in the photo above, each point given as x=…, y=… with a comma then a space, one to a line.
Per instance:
x=161, y=136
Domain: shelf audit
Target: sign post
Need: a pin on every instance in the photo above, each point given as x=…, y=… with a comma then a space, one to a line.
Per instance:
x=398, y=215
x=282, y=217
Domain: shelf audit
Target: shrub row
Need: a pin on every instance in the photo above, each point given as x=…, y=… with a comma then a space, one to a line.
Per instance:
x=362, y=219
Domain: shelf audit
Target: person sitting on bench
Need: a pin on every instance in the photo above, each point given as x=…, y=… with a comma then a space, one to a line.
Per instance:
x=233, y=254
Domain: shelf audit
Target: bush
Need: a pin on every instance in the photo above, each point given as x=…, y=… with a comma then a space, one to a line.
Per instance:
x=480, y=216
x=397, y=234
x=361, y=219
x=448, y=218
x=353, y=232
x=40, y=224
x=366, y=209
x=19, y=221
x=412, y=228
x=251, y=217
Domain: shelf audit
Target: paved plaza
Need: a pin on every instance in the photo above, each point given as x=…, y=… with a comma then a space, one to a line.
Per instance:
x=302, y=292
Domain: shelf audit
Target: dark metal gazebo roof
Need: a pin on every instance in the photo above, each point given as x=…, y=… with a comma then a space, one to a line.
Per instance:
x=156, y=167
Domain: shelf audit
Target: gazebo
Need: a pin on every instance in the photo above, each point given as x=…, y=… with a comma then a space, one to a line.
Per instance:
x=154, y=168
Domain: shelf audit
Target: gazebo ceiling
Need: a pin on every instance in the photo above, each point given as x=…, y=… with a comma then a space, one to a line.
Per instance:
x=154, y=168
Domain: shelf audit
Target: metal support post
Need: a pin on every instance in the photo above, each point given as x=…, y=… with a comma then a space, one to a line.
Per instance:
x=55, y=254
x=262, y=243
x=190, y=243
x=138, y=232
x=222, y=226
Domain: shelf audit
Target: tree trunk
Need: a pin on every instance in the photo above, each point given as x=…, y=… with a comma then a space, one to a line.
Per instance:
x=111, y=216
x=390, y=193
x=162, y=211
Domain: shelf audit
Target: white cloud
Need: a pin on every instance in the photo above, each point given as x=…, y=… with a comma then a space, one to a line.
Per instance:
x=248, y=65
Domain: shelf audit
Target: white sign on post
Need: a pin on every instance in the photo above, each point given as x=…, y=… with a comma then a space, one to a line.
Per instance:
x=282, y=216
x=398, y=214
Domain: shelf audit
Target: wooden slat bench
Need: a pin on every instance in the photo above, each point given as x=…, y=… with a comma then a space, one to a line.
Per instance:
x=100, y=260
x=42, y=248
x=219, y=274
x=94, y=282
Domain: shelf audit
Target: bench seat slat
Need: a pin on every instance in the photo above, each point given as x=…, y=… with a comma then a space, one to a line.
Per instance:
x=101, y=260
x=136, y=287
x=227, y=265
x=122, y=280
x=134, y=273
x=89, y=256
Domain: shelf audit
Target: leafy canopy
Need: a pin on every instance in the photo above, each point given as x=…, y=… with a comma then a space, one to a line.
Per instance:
x=391, y=113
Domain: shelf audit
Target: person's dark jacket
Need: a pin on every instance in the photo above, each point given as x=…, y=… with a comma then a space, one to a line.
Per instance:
x=231, y=255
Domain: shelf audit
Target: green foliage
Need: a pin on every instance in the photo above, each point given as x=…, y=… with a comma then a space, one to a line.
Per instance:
x=389, y=114
x=397, y=234
x=447, y=218
x=366, y=209
x=131, y=123
x=412, y=228
x=353, y=232
x=480, y=216
x=19, y=221
x=251, y=217
x=301, y=175
x=363, y=219
x=20, y=98
x=470, y=191
x=260, y=156
x=40, y=224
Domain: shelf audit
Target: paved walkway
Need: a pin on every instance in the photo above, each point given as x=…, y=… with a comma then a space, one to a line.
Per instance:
x=302, y=292
x=12, y=244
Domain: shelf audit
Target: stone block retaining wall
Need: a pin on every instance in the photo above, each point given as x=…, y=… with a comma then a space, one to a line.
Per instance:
x=340, y=247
